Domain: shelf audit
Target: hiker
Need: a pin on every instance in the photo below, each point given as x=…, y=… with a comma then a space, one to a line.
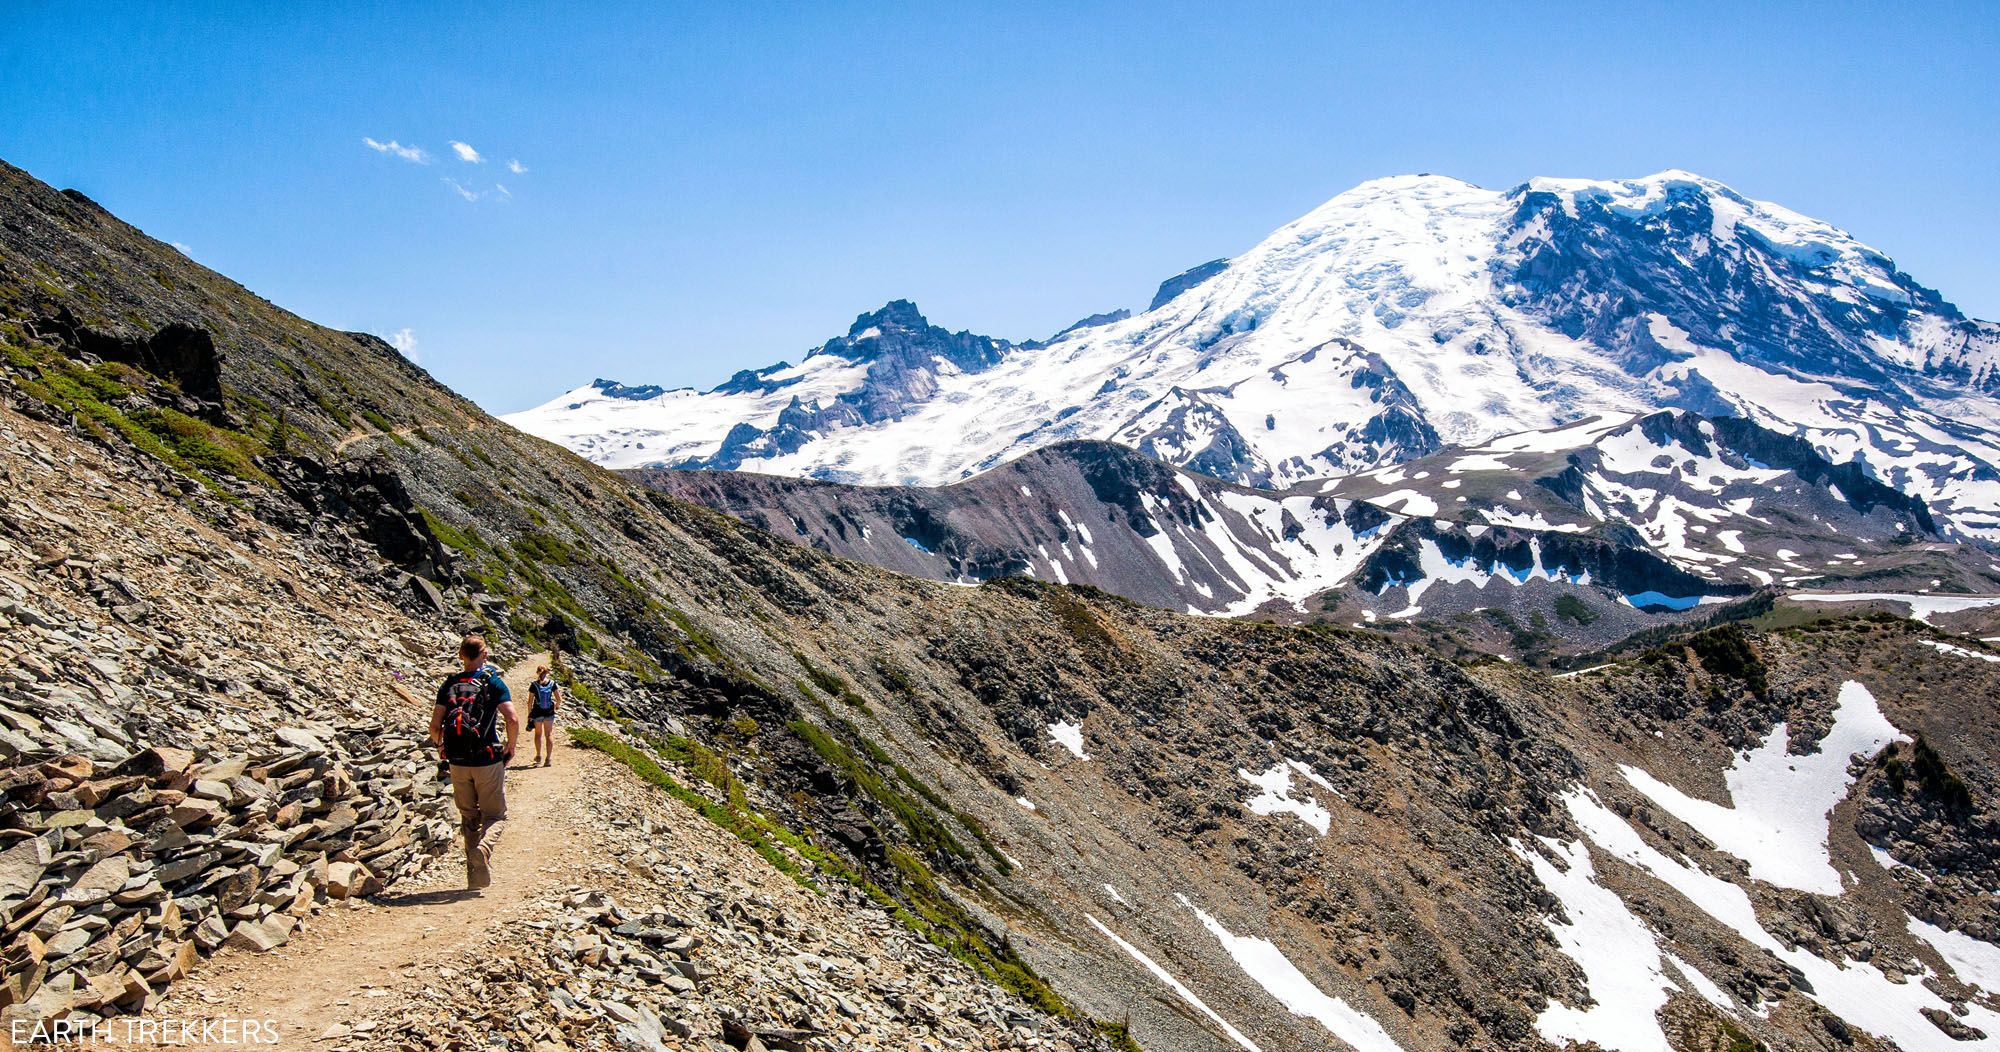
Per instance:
x=542, y=715
x=466, y=726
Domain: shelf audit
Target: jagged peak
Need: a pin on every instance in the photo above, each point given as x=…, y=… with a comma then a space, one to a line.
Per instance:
x=898, y=313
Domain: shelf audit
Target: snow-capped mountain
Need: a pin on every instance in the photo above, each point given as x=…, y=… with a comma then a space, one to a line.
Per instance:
x=1404, y=316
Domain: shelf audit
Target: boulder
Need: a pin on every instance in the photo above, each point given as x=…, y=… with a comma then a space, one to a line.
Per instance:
x=261, y=935
x=348, y=879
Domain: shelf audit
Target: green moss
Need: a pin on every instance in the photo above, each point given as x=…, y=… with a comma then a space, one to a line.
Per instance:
x=465, y=540
x=333, y=409
x=950, y=926
x=1119, y=1034
x=895, y=677
x=701, y=761
x=586, y=695
x=547, y=549
x=377, y=421
x=698, y=641
x=187, y=445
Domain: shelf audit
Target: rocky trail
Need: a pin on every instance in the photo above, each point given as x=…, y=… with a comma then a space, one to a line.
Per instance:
x=617, y=918
x=316, y=981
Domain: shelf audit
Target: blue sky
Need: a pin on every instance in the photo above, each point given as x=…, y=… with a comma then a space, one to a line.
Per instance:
x=713, y=187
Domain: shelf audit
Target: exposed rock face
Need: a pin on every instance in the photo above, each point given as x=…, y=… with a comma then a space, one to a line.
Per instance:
x=1184, y=281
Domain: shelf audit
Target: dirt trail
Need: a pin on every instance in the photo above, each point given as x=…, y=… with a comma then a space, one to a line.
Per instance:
x=358, y=434
x=352, y=952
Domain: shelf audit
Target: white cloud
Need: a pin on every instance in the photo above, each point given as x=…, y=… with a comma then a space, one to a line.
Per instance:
x=496, y=192
x=517, y=167
x=466, y=153
x=182, y=249
x=413, y=154
x=405, y=341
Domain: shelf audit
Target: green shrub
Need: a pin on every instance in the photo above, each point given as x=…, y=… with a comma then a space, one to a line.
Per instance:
x=1570, y=608
x=1727, y=651
x=209, y=448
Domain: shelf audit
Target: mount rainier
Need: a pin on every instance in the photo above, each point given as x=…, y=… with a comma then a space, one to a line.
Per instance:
x=1403, y=318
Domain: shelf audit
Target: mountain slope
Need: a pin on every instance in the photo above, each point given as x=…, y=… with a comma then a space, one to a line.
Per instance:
x=1634, y=518
x=1232, y=834
x=1415, y=312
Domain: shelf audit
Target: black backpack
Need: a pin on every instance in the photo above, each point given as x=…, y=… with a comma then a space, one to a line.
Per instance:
x=471, y=707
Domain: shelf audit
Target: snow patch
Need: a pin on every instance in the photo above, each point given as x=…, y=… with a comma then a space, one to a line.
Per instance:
x=1922, y=607
x=1947, y=648
x=1173, y=984
x=1617, y=952
x=1069, y=736
x=1778, y=821
x=1276, y=797
x=1262, y=961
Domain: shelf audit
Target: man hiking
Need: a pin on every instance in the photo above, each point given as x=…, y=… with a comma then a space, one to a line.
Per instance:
x=466, y=726
x=542, y=715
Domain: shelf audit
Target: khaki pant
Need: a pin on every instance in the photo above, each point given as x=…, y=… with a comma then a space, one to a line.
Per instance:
x=481, y=796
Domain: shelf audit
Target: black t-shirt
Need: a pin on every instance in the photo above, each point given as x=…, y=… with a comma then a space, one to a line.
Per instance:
x=484, y=692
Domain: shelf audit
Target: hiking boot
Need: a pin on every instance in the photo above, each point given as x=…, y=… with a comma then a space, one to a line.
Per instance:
x=477, y=874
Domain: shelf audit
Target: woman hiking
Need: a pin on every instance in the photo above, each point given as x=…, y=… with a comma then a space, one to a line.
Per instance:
x=542, y=715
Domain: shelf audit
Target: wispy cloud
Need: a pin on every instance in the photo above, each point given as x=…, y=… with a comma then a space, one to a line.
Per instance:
x=466, y=153
x=517, y=167
x=413, y=154
x=182, y=249
x=405, y=341
x=497, y=192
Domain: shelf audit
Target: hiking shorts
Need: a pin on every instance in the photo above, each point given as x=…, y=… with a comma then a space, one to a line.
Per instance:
x=541, y=717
